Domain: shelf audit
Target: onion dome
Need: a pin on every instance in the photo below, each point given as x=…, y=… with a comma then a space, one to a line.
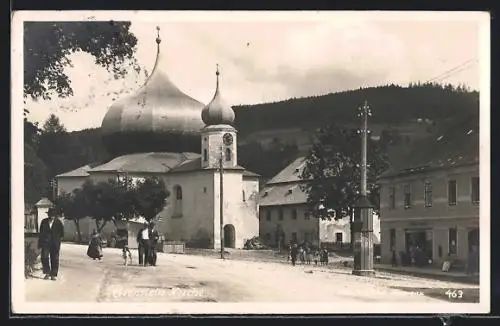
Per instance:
x=217, y=112
x=157, y=118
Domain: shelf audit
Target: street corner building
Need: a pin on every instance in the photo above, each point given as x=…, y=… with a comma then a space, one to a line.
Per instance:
x=160, y=131
x=285, y=216
x=429, y=202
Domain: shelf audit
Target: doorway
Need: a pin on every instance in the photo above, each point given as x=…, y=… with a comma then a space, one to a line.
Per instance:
x=418, y=247
x=229, y=236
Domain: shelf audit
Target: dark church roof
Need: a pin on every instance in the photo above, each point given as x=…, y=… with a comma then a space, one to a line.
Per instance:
x=217, y=112
x=159, y=117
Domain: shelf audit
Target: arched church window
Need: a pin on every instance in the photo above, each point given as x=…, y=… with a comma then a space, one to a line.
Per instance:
x=178, y=202
x=243, y=193
x=228, y=154
x=205, y=155
x=178, y=192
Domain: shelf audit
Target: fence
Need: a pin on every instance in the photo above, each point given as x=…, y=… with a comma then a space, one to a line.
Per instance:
x=174, y=247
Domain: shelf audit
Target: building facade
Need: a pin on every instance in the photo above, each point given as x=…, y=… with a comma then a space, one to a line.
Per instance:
x=433, y=207
x=284, y=215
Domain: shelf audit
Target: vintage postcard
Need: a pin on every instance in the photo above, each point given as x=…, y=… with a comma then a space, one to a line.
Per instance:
x=250, y=162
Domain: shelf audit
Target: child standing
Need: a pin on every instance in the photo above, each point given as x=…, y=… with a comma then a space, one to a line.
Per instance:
x=127, y=255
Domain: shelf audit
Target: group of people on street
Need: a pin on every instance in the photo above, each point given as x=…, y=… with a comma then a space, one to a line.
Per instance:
x=147, y=241
x=307, y=255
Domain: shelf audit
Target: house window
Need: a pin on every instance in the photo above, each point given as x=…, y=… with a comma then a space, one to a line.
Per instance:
x=268, y=214
x=294, y=213
x=243, y=194
x=307, y=215
x=228, y=154
x=452, y=241
x=452, y=192
x=280, y=216
x=392, y=197
x=294, y=236
x=338, y=237
x=407, y=196
x=205, y=155
x=428, y=194
x=268, y=237
x=475, y=190
x=392, y=239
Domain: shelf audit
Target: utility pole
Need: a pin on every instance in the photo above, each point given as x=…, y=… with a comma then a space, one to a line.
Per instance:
x=221, y=219
x=363, y=210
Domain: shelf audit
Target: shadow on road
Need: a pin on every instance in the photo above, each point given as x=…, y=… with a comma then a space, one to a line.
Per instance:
x=446, y=294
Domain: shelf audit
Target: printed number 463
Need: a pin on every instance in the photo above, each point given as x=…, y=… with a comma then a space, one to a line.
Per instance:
x=454, y=294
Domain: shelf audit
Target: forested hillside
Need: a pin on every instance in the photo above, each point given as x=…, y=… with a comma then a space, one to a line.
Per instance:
x=399, y=113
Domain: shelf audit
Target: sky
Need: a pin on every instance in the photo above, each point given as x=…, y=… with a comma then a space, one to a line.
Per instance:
x=263, y=59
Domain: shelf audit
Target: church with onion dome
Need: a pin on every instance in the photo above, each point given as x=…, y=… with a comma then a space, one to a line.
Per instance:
x=161, y=131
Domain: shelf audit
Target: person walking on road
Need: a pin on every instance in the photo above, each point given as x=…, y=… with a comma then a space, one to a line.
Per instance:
x=144, y=245
x=95, y=246
x=49, y=241
x=153, y=240
x=293, y=254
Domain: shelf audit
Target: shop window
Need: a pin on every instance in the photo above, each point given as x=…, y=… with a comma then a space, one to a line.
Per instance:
x=428, y=194
x=452, y=192
x=475, y=190
x=452, y=241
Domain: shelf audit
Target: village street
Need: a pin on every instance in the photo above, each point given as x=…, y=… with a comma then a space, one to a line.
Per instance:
x=189, y=278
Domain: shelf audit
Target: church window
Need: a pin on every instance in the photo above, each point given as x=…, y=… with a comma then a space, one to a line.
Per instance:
x=244, y=199
x=205, y=155
x=178, y=201
x=228, y=154
x=178, y=192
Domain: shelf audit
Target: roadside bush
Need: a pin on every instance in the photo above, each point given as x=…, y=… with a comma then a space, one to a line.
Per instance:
x=31, y=255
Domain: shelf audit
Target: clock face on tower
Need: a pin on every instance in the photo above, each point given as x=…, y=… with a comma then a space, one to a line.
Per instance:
x=228, y=139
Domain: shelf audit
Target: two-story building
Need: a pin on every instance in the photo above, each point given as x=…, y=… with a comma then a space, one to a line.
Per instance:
x=284, y=214
x=429, y=202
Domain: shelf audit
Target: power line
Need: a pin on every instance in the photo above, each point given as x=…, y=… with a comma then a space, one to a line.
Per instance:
x=453, y=73
x=452, y=70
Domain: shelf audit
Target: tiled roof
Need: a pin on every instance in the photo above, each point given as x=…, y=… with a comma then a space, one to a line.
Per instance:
x=195, y=164
x=291, y=173
x=145, y=162
x=154, y=162
x=80, y=172
x=282, y=194
x=457, y=145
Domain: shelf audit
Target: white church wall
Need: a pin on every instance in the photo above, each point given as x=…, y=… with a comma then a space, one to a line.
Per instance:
x=244, y=218
x=196, y=222
x=68, y=184
x=328, y=230
x=87, y=225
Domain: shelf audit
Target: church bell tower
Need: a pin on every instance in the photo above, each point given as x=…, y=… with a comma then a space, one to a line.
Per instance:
x=218, y=139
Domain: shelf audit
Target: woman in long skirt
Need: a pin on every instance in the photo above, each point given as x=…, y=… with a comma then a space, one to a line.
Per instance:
x=95, y=246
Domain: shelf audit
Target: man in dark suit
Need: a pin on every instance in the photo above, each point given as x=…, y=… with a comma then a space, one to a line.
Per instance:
x=143, y=245
x=49, y=241
x=153, y=239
